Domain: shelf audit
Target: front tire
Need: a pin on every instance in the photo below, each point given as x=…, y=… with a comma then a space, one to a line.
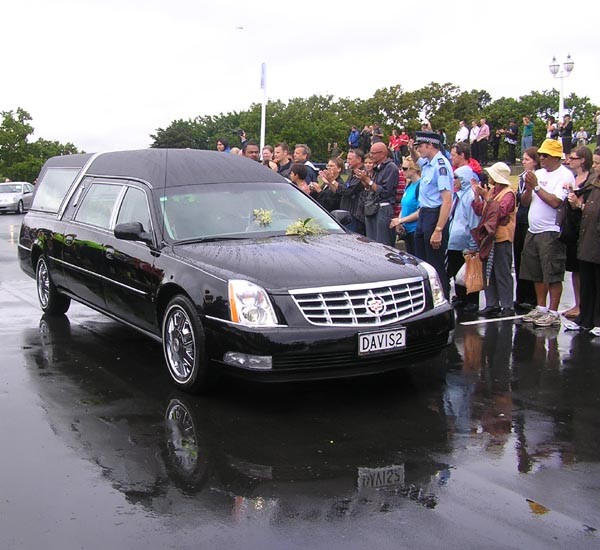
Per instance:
x=51, y=301
x=20, y=208
x=184, y=346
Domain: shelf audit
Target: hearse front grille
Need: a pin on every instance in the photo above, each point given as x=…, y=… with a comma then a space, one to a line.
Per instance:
x=371, y=304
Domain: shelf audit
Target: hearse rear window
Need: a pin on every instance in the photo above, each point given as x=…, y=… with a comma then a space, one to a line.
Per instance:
x=52, y=188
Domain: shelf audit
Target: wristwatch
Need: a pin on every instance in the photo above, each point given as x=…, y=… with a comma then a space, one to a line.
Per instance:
x=371, y=182
x=536, y=188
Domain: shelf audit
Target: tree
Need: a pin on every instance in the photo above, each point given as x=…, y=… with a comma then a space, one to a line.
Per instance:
x=319, y=120
x=21, y=159
x=14, y=131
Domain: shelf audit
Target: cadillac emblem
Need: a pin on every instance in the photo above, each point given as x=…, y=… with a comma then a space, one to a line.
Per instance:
x=375, y=305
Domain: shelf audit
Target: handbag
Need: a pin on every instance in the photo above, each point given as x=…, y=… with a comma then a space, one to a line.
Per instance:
x=473, y=273
x=371, y=203
x=569, y=221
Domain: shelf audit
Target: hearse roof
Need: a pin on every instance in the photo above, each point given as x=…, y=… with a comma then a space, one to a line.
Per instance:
x=182, y=166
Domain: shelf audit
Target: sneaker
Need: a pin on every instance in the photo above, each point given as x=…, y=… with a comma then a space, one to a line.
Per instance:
x=595, y=331
x=533, y=315
x=571, y=325
x=548, y=319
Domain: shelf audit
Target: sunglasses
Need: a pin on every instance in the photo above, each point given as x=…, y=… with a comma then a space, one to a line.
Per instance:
x=543, y=155
x=574, y=158
x=405, y=168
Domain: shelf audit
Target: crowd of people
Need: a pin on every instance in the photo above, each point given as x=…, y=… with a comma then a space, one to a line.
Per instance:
x=447, y=204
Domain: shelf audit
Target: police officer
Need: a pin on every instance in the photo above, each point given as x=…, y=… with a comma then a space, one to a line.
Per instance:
x=435, y=200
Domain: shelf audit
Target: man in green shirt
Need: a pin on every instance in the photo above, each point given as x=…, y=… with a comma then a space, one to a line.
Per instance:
x=527, y=137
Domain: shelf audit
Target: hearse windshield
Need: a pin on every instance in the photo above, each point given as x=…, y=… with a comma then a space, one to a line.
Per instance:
x=243, y=210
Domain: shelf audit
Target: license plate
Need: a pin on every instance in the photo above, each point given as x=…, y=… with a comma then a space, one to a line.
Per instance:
x=376, y=342
x=371, y=478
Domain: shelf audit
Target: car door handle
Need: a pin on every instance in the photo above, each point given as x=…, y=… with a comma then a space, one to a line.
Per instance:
x=69, y=239
x=109, y=252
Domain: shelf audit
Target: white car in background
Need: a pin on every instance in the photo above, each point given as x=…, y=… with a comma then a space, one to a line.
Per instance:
x=15, y=196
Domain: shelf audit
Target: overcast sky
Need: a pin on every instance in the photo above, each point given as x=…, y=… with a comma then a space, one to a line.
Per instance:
x=105, y=74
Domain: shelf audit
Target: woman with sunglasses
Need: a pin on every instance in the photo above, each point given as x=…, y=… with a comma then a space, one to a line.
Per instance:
x=409, y=205
x=580, y=163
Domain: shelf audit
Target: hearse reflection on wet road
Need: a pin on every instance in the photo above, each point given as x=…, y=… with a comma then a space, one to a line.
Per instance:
x=236, y=445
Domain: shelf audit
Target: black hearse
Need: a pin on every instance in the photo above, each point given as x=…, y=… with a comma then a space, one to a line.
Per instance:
x=227, y=264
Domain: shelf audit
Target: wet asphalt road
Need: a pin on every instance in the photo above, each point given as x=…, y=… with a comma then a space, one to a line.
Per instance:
x=98, y=451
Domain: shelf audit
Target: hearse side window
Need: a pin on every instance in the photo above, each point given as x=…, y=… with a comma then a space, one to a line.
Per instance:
x=97, y=205
x=52, y=188
x=134, y=208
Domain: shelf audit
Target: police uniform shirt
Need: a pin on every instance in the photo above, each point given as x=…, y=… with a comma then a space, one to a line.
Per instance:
x=436, y=176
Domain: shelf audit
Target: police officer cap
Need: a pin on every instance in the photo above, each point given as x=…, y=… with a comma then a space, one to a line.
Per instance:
x=428, y=137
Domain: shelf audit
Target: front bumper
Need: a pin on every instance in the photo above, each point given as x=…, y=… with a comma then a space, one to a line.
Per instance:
x=311, y=353
x=9, y=206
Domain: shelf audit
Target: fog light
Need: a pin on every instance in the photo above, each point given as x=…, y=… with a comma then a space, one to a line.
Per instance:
x=253, y=362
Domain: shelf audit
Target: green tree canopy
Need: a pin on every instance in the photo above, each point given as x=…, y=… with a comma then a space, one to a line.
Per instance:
x=321, y=120
x=20, y=158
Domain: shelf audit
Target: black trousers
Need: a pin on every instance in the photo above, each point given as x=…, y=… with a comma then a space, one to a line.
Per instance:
x=409, y=242
x=426, y=225
x=512, y=153
x=475, y=150
x=482, y=151
x=589, y=306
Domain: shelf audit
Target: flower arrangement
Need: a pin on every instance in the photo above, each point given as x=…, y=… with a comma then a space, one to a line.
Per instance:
x=262, y=216
x=304, y=228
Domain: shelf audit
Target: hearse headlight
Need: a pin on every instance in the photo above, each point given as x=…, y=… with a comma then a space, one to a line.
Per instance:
x=249, y=305
x=437, y=292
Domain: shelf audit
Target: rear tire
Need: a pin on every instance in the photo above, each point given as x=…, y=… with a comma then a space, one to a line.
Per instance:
x=51, y=301
x=184, y=346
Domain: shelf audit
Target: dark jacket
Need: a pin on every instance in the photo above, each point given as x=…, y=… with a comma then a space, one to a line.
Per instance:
x=385, y=175
x=589, y=233
x=352, y=192
x=327, y=198
x=284, y=169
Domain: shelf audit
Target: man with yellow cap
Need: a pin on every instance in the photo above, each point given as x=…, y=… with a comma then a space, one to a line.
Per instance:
x=544, y=257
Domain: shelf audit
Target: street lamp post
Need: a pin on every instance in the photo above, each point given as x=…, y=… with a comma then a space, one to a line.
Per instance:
x=563, y=73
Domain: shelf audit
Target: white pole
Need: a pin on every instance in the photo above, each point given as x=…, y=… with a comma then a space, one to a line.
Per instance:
x=561, y=99
x=263, y=113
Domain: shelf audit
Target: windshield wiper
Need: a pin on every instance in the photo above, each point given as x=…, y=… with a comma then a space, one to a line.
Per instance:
x=212, y=239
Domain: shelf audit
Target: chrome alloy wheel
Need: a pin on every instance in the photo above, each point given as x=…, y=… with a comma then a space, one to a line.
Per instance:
x=179, y=344
x=43, y=284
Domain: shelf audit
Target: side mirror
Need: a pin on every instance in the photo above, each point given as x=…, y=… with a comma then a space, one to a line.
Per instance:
x=342, y=216
x=133, y=231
